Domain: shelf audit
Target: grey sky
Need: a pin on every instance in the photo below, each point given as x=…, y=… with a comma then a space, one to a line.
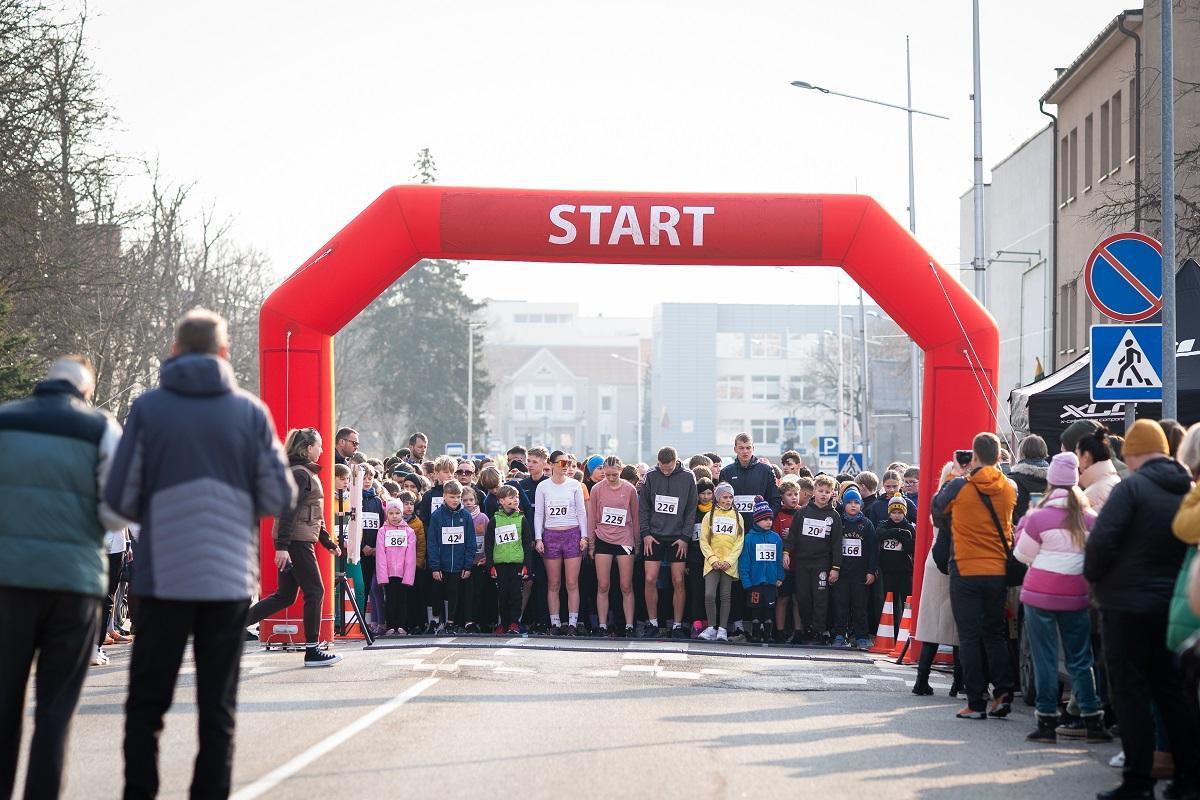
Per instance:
x=292, y=119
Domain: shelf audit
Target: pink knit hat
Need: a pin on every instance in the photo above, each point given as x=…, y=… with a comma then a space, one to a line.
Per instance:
x=1064, y=470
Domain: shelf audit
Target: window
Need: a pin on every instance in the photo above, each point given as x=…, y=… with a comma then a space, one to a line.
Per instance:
x=806, y=431
x=800, y=345
x=764, y=431
x=829, y=426
x=1073, y=160
x=727, y=429
x=1133, y=100
x=1116, y=131
x=1087, y=153
x=731, y=387
x=606, y=404
x=731, y=345
x=543, y=402
x=518, y=402
x=1067, y=316
x=1105, y=130
x=764, y=387
x=1064, y=173
x=520, y=318
x=766, y=345
x=568, y=402
x=800, y=391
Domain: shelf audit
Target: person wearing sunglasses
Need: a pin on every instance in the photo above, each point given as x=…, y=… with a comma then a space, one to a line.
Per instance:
x=560, y=530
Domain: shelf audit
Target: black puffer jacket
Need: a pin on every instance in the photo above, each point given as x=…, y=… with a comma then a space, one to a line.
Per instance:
x=1132, y=558
x=1030, y=478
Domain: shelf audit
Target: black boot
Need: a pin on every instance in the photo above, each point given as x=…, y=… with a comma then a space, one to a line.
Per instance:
x=1126, y=791
x=924, y=666
x=1094, y=728
x=957, y=685
x=768, y=634
x=756, y=632
x=1046, y=723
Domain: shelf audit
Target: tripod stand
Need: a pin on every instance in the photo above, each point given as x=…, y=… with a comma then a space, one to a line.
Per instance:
x=341, y=587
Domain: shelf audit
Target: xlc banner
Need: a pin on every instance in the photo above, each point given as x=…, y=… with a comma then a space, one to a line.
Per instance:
x=409, y=223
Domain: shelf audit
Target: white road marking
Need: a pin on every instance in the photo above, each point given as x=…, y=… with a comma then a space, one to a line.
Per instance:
x=657, y=656
x=844, y=681
x=641, y=668
x=711, y=671
x=604, y=673
x=515, y=670
x=884, y=678
x=691, y=676
x=276, y=776
x=404, y=662
x=477, y=662
x=436, y=667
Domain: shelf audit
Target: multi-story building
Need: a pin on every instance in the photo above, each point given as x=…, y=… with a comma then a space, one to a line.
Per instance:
x=561, y=379
x=1108, y=149
x=1019, y=243
x=717, y=370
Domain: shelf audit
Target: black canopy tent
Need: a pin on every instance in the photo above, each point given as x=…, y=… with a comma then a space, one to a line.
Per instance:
x=1048, y=406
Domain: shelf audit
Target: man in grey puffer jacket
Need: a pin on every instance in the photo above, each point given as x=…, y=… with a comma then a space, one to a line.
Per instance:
x=666, y=507
x=198, y=466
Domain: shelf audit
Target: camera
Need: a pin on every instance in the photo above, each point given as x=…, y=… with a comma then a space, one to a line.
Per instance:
x=963, y=457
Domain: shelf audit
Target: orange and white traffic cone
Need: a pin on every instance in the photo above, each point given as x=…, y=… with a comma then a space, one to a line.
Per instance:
x=945, y=655
x=905, y=631
x=885, y=636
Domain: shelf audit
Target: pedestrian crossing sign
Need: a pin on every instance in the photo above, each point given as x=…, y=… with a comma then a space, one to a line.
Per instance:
x=1126, y=363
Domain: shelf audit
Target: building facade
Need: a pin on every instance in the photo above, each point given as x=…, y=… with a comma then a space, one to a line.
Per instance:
x=1019, y=243
x=771, y=371
x=1108, y=150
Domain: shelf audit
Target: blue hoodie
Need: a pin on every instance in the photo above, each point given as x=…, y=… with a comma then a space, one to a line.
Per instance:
x=450, y=556
x=860, y=546
x=761, y=561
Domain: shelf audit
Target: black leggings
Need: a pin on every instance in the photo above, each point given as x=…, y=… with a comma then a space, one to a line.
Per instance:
x=396, y=603
x=447, y=591
x=508, y=584
x=115, y=562
x=305, y=576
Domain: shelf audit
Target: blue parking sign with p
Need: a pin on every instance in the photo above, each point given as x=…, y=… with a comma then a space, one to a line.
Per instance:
x=827, y=446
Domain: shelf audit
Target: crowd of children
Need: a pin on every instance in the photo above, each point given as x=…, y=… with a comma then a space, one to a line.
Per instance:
x=458, y=546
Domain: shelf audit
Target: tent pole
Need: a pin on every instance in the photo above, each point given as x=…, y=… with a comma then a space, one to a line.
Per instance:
x=1130, y=416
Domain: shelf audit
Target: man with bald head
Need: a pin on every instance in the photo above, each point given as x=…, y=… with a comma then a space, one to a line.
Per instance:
x=55, y=452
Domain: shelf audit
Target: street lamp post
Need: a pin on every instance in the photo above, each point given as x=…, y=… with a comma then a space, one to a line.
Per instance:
x=915, y=353
x=641, y=365
x=471, y=326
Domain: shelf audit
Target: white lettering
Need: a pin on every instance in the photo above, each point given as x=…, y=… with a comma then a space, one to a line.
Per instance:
x=567, y=227
x=659, y=225
x=626, y=224
x=594, y=227
x=698, y=213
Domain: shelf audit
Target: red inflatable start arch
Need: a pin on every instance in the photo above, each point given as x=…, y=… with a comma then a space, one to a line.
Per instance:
x=409, y=223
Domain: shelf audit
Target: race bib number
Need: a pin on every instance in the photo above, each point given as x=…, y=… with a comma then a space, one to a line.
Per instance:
x=893, y=545
x=696, y=532
x=852, y=548
x=744, y=503
x=724, y=527
x=665, y=504
x=435, y=503
x=453, y=535
x=764, y=552
x=557, y=512
x=397, y=539
x=370, y=521
x=506, y=534
x=816, y=528
x=613, y=516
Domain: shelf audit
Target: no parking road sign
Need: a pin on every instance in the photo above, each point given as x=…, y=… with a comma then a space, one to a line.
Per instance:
x=1127, y=363
x=1124, y=277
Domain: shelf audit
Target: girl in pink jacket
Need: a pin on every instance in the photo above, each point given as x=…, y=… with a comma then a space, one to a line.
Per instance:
x=396, y=565
x=1051, y=540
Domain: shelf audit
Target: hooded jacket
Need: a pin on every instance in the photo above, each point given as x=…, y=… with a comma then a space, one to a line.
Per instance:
x=1132, y=557
x=1030, y=477
x=1055, y=579
x=305, y=521
x=396, y=554
x=450, y=540
x=55, y=452
x=198, y=466
x=975, y=547
x=896, y=544
x=761, y=560
x=721, y=537
x=816, y=535
x=860, y=546
x=667, y=503
x=756, y=478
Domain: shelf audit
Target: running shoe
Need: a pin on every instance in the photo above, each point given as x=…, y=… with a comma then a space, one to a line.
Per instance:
x=970, y=713
x=556, y=630
x=498, y=630
x=1001, y=707
x=1117, y=761
x=863, y=644
x=607, y=632
x=708, y=634
x=401, y=632
x=840, y=641
x=679, y=632
x=572, y=631
x=471, y=628
x=650, y=631
x=514, y=629
x=314, y=657
x=738, y=636
x=99, y=658
x=628, y=631
x=722, y=635
x=442, y=630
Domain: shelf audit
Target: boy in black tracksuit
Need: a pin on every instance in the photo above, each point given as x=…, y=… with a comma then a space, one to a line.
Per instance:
x=897, y=538
x=816, y=542
x=860, y=568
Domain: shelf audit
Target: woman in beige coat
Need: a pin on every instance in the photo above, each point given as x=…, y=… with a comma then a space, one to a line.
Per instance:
x=935, y=620
x=1097, y=472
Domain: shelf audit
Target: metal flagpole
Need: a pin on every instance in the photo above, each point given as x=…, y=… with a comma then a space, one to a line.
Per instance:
x=1170, y=402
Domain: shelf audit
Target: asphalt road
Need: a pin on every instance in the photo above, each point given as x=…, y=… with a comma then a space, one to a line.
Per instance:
x=534, y=718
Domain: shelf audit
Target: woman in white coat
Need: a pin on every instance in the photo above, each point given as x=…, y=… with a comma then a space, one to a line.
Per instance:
x=935, y=620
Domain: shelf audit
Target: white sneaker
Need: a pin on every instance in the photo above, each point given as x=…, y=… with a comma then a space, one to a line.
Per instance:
x=708, y=634
x=99, y=658
x=722, y=635
x=1118, y=760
